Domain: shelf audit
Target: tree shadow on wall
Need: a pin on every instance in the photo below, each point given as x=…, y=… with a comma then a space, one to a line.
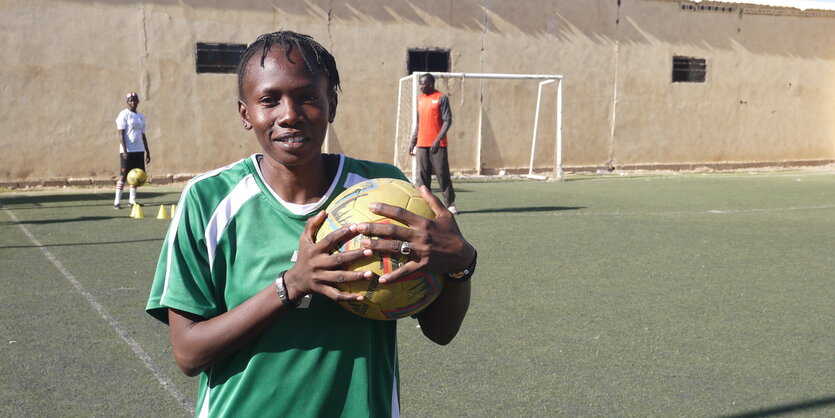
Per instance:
x=615, y=22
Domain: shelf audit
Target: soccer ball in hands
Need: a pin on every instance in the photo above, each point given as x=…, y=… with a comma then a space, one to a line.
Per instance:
x=405, y=297
x=137, y=177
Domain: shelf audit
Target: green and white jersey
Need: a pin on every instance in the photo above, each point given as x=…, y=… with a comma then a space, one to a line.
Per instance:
x=230, y=237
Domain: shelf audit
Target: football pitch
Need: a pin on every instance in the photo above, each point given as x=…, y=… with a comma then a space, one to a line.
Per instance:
x=693, y=295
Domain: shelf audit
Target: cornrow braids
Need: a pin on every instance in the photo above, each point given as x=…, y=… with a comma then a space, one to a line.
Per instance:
x=311, y=51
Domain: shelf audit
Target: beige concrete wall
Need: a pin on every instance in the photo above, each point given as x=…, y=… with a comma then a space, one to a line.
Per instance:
x=768, y=95
x=66, y=66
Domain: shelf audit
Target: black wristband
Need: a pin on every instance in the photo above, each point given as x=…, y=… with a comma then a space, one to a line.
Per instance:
x=281, y=288
x=466, y=274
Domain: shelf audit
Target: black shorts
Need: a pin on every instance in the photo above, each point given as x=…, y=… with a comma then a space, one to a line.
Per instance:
x=134, y=160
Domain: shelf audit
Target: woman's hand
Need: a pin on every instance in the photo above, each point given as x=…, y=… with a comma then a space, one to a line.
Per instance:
x=437, y=244
x=318, y=269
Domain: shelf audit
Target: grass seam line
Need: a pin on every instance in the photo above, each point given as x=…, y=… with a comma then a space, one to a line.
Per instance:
x=137, y=349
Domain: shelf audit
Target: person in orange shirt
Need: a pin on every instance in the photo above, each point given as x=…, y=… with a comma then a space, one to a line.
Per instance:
x=429, y=140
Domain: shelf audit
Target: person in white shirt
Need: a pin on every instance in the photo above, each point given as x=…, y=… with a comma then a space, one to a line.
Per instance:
x=133, y=146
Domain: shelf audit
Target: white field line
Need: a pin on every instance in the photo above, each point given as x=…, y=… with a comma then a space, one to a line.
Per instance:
x=707, y=176
x=137, y=349
x=571, y=213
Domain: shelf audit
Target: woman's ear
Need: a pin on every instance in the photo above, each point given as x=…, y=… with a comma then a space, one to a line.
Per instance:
x=242, y=112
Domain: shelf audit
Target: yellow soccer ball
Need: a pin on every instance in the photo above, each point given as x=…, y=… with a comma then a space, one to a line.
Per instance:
x=137, y=177
x=405, y=297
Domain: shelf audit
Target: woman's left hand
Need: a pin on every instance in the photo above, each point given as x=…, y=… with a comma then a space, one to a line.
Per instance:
x=437, y=244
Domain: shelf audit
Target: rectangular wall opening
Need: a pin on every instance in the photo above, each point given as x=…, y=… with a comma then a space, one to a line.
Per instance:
x=689, y=69
x=218, y=58
x=430, y=60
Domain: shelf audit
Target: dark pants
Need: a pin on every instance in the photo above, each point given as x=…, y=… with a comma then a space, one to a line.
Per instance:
x=437, y=164
x=134, y=160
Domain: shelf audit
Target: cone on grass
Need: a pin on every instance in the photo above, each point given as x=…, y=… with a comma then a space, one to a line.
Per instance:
x=136, y=212
x=162, y=213
x=173, y=209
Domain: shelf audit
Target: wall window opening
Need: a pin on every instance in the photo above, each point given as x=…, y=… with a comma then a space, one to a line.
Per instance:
x=431, y=60
x=689, y=69
x=218, y=58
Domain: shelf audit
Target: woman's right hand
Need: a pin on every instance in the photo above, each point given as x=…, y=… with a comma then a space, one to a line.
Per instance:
x=318, y=268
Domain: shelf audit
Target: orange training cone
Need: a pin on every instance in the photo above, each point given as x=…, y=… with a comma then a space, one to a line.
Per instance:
x=162, y=213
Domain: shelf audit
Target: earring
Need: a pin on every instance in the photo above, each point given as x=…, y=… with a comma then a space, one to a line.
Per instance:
x=247, y=125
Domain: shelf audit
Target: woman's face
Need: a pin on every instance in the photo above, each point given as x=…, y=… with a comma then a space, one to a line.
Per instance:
x=288, y=106
x=133, y=103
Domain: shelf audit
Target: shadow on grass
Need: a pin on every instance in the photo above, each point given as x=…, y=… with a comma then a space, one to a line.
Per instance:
x=786, y=409
x=9, y=247
x=101, y=204
x=524, y=209
x=55, y=221
x=45, y=201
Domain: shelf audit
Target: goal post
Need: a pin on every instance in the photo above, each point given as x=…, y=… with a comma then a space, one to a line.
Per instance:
x=407, y=120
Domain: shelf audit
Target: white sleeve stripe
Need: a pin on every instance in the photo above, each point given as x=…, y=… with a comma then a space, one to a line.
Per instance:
x=204, y=409
x=226, y=210
x=353, y=179
x=175, y=222
x=395, y=397
x=395, y=401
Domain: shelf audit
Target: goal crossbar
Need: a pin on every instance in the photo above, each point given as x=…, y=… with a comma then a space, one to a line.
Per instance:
x=547, y=79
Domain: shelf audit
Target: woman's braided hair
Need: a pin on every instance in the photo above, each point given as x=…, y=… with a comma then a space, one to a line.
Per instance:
x=311, y=51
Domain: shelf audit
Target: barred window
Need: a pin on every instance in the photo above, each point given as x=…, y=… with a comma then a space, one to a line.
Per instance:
x=218, y=58
x=689, y=69
x=432, y=60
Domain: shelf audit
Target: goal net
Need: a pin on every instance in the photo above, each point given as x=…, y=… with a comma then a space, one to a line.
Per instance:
x=502, y=124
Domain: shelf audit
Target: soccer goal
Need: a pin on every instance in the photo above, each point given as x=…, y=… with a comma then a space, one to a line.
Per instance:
x=485, y=107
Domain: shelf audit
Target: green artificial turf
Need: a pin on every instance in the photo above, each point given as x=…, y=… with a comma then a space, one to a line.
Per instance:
x=697, y=295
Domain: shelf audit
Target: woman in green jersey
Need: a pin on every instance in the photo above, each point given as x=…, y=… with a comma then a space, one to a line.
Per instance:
x=247, y=292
